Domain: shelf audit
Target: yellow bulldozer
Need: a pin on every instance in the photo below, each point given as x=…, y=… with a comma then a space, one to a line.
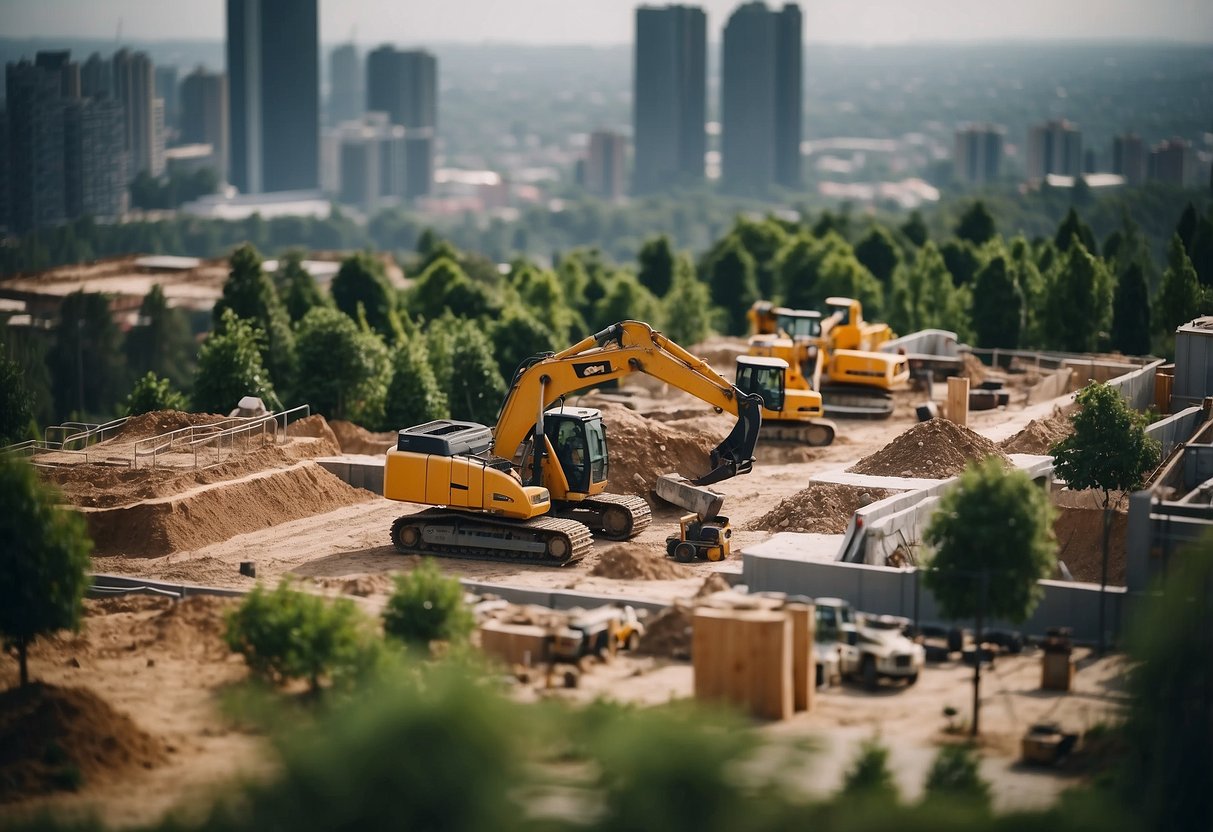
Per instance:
x=837, y=355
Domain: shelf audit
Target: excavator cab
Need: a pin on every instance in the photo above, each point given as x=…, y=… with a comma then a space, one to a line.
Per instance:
x=579, y=437
x=763, y=376
x=799, y=324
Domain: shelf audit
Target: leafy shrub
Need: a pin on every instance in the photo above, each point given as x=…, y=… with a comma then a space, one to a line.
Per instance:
x=427, y=606
x=954, y=775
x=151, y=393
x=286, y=634
x=869, y=774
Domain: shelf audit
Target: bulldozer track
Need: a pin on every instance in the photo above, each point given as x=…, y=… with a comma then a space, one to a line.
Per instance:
x=639, y=515
x=549, y=541
x=816, y=434
x=848, y=402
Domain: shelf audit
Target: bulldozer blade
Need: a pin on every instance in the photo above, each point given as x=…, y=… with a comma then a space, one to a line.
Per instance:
x=680, y=491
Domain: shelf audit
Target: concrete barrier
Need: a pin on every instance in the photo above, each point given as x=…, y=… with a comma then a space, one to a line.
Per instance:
x=359, y=470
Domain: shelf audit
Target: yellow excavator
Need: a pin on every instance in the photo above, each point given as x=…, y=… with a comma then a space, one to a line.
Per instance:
x=836, y=355
x=533, y=489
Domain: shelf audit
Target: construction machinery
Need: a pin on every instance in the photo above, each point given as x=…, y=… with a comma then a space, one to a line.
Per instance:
x=704, y=534
x=869, y=647
x=533, y=489
x=835, y=355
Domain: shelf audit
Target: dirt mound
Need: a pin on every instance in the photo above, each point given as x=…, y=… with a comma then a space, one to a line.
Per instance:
x=630, y=562
x=822, y=508
x=712, y=584
x=1079, y=533
x=1039, y=435
x=668, y=634
x=161, y=421
x=935, y=449
x=354, y=439
x=217, y=512
x=643, y=449
x=973, y=370
x=54, y=739
x=316, y=427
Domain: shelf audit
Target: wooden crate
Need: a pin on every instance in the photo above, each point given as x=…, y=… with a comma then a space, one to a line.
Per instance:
x=804, y=665
x=514, y=644
x=744, y=657
x=1056, y=671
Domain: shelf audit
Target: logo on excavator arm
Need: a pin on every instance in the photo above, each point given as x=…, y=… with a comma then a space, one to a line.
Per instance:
x=595, y=368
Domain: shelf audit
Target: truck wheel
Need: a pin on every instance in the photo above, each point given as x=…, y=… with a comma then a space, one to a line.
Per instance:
x=868, y=673
x=912, y=678
x=684, y=552
x=820, y=677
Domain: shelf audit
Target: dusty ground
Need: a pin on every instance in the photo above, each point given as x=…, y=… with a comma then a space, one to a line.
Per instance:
x=346, y=550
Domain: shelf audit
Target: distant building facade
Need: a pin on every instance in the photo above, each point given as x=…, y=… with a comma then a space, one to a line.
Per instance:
x=273, y=71
x=368, y=164
x=404, y=85
x=604, y=164
x=977, y=158
x=346, y=96
x=97, y=77
x=669, y=99
x=167, y=88
x=1054, y=147
x=204, y=111
x=1172, y=162
x=761, y=102
x=1129, y=158
x=97, y=175
x=135, y=87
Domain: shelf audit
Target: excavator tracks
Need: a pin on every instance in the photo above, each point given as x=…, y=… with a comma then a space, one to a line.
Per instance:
x=550, y=541
x=815, y=434
x=850, y=402
x=612, y=516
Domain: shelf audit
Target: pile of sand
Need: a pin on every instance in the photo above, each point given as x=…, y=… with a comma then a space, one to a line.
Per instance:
x=935, y=449
x=822, y=508
x=358, y=440
x=643, y=449
x=1079, y=533
x=973, y=370
x=712, y=584
x=668, y=634
x=316, y=427
x=159, y=422
x=631, y=562
x=54, y=739
x=1039, y=435
x=216, y=512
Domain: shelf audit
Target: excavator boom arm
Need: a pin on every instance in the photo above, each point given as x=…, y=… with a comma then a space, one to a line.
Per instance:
x=617, y=351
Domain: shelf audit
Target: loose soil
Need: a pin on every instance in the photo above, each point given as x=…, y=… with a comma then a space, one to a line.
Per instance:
x=316, y=427
x=668, y=634
x=822, y=508
x=712, y=584
x=935, y=449
x=633, y=562
x=643, y=449
x=59, y=739
x=215, y=512
x=1039, y=435
x=974, y=370
x=147, y=425
x=1079, y=533
x=354, y=439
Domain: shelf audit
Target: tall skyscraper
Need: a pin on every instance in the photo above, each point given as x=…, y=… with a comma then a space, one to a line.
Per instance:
x=761, y=101
x=94, y=131
x=97, y=77
x=135, y=87
x=273, y=94
x=604, y=164
x=404, y=85
x=1173, y=163
x=346, y=97
x=204, y=114
x=977, y=159
x=168, y=88
x=1055, y=147
x=1129, y=158
x=669, y=101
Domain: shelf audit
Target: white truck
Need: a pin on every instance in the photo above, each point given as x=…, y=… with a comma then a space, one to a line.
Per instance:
x=868, y=648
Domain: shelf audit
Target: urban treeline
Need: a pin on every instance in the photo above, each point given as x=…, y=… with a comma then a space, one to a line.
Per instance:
x=448, y=344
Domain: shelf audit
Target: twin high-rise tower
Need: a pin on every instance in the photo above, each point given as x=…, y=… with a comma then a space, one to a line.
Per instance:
x=761, y=98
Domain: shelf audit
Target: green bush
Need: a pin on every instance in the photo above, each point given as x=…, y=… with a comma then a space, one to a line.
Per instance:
x=151, y=393
x=427, y=606
x=869, y=774
x=286, y=634
x=954, y=776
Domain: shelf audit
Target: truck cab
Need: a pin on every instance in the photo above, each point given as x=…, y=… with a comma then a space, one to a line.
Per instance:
x=869, y=648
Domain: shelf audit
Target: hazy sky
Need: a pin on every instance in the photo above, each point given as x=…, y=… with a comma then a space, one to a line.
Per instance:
x=611, y=21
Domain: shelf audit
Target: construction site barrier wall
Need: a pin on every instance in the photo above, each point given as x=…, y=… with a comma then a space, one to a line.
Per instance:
x=1054, y=384
x=1176, y=429
x=1137, y=387
x=358, y=470
x=899, y=591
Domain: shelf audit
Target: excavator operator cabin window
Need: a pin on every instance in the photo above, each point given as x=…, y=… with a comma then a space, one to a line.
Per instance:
x=571, y=452
x=596, y=436
x=765, y=381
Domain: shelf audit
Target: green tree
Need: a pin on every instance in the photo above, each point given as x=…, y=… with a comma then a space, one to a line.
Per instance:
x=997, y=306
x=1189, y=220
x=361, y=280
x=915, y=230
x=763, y=239
x=88, y=373
x=343, y=371
x=414, y=396
x=1079, y=301
x=954, y=777
x=249, y=293
x=976, y=224
x=443, y=287
x=1070, y=228
x=878, y=253
x=732, y=283
x=427, y=606
x=1202, y=252
x=476, y=389
x=297, y=288
x=16, y=403
x=963, y=261
x=688, y=306
x=518, y=335
x=1179, y=296
x=160, y=342
x=230, y=368
x=151, y=393
x=924, y=296
x=286, y=634
x=44, y=560
x=1108, y=451
x=625, y=300
x=1168, y=732
x=656, y=260
x=1021, y=264
x=992, y=537
x=869, y=778
x=542, y=296
x=1131, y=312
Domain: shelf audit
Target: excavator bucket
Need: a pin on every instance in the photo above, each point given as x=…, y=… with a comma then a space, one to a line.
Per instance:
x=735, y=455
x=677, y=489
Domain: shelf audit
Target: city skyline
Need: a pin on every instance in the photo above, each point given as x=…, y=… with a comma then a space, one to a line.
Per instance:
x=608, y=22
